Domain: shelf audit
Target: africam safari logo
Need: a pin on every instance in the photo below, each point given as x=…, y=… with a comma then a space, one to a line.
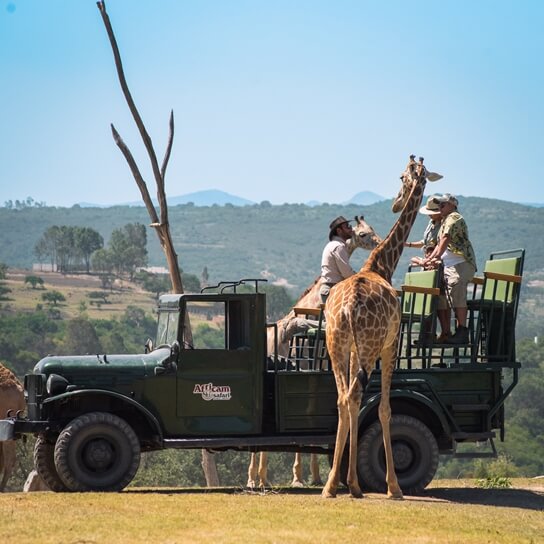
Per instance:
x=209, y=391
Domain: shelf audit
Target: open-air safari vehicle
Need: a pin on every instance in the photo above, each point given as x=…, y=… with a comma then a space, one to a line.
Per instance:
x=94, y=414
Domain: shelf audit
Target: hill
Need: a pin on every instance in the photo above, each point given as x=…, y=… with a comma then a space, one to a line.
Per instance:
x=365, y=198
x=283, y=243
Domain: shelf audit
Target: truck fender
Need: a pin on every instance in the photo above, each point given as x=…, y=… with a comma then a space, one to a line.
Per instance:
x=413, y=397
x=150, y=418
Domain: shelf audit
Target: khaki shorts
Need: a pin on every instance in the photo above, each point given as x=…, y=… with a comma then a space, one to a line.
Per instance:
x=456, y=280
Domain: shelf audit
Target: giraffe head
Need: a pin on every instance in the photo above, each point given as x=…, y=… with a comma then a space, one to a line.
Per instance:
x=415, y=172
x=364, y=235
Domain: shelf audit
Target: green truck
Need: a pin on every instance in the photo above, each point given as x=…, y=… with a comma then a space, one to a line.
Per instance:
x=93, y=415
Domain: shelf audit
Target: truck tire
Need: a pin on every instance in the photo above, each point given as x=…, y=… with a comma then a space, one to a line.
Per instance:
x=44, y=463
x=415, y=453
x=97, y=452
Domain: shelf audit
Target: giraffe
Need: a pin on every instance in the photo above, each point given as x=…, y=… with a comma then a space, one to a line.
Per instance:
x=363, y=318
x=363, y=237
x=11, y=401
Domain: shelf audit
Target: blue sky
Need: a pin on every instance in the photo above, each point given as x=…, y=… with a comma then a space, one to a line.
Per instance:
x=286, y=101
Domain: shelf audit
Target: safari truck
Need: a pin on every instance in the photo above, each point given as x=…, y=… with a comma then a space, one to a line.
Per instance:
x=93, y=415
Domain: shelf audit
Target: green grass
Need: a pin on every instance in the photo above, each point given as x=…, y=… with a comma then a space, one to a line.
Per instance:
x=172, y=515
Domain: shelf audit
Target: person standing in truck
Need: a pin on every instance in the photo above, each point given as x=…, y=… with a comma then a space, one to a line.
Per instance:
x=335, y=265
x=455, y=251
x=430, y=236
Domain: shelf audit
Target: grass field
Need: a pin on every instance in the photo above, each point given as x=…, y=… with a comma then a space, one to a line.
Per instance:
x=76, y=289
x=449, y=512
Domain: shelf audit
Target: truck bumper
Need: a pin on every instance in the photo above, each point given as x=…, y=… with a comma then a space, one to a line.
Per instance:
x=13, y=428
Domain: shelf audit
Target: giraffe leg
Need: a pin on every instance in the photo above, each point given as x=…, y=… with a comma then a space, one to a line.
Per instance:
x=263, y=469
x=329, y=491
x=10, y=460
x=314, y=470
x=252, y=471
x=354, y=403
x=297, y=471
x=384, y=412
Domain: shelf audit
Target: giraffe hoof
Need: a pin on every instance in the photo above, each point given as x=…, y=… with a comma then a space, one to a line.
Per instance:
x=328, y=494
x=297, y=483
x=357, y=494
x=396, y=496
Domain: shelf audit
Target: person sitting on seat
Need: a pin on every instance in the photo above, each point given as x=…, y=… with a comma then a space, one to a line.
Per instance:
x=457, y=254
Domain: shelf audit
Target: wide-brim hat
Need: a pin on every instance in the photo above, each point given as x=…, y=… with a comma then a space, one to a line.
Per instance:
x=447, y=197
x=340, y=220
x=432, y=207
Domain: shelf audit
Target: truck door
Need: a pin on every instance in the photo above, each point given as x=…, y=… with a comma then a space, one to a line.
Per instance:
x=219, y=376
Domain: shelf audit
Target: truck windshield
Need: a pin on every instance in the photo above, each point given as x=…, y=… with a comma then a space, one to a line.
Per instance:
x=167, y=329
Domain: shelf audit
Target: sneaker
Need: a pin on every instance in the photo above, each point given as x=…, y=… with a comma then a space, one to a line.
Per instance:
x=460, y=336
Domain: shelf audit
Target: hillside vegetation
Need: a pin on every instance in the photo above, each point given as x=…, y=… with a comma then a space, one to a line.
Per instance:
x=278, y=242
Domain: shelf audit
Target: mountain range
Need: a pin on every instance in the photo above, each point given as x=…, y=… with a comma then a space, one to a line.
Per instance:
x=212, y=197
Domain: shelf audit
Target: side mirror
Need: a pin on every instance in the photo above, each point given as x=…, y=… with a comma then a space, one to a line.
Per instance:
x=174, y=351
x=148, y=346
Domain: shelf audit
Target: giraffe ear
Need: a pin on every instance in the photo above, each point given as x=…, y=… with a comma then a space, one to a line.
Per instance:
x=433, y=176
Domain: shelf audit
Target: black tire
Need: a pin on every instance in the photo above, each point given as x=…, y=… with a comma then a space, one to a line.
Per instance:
x=44, y=463
x=415, y=453
x=97, y=452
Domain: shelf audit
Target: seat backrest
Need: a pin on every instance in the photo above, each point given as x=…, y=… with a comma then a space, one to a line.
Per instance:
x=419, y=302
x=501, y=290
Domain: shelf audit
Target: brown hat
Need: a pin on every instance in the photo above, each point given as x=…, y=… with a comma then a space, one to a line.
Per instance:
x=431, y=207
x=340, y=220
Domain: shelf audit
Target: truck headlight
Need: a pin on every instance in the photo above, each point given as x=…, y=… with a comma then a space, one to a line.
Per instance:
x=56, y=385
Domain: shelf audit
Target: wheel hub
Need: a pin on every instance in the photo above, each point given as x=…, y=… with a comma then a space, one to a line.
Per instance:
x=98, y=454
x=403, y=456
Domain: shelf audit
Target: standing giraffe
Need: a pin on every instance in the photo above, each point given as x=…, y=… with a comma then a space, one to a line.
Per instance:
x=364, y=237
x=363, y=319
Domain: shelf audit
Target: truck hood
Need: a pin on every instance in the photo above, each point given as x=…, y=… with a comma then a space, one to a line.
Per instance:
x=93, y=370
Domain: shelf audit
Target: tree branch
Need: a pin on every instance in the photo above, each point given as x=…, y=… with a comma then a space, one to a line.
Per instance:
x=132, y=106
x=137, y=175
x=160, y=190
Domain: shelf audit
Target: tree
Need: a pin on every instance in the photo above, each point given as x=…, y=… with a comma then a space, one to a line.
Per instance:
x=127, y=248
x=53, y=297
x=34, y=281
x=3, y=289
x=204, y=277
x=162, y=226
x=101, y=296
x=87, y=241
x=102, y=261
x=81, y=337
x=155, y=283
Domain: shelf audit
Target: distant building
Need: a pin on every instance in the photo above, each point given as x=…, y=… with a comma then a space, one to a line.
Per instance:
x=44, y=267
x=153, y=269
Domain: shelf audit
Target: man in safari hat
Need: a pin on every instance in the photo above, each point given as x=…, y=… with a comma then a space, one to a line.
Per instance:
x=335, y=265
x=457, y=254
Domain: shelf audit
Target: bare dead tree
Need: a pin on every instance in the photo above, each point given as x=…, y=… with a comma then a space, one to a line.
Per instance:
x=161, y=225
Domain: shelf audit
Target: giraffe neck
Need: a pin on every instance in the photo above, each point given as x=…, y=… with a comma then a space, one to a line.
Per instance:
x=384, y=259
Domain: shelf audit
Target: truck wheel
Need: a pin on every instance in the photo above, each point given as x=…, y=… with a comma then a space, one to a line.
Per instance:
x=44, y=463
x=415, y=453
x=97, y=452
